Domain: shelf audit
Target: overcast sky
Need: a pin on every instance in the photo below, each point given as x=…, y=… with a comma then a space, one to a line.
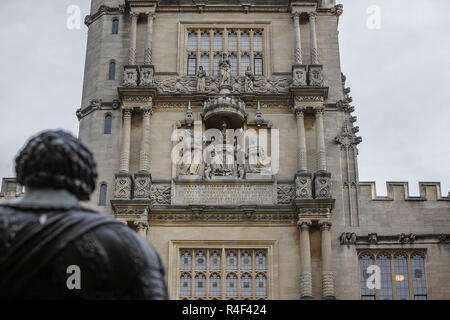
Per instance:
x=399, y=75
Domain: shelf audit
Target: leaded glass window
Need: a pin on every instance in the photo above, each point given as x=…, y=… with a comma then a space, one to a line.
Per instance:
x=218, y=41
x=364, y=262
x=103, y=194
x=192, y=65
x=234, y=65
x=186, y=261
x=384, y=262
x=108, y=124
x=245, y=41
x=204, y=62
x=401, y=277
x=112, y=71
x=232, y=290
x=217, y=59
x=245, y=63
x=257, y=42
x=259, y=67
x=185, y=285
x=205, y=42
x=232, y=42
x=200, y=285
x=214, y=261
x=200, y=261
x=418, y=277
x=261, y=288
x=214, y=286
x=192, y=41
x=115, y=26
x=246, y=262
x=246, y=285
x=231, y=261
x=261, y=261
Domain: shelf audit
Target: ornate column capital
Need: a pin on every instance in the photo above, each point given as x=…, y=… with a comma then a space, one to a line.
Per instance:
x=127, y=111
x=299, y=111
x=319, y=110
x=150, y=15
x=141, y=225
x=295, y=15
x=312, y=14
x=304, y=225
x=325, y=225
x=147, y=111
x=134, y=15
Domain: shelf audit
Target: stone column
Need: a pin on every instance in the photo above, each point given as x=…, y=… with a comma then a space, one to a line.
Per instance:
x=305, y=260
x=327, y=274
x=141, y=228
x=312, y=27
x=125, y=148
x=144, y=163
x=301, y=143
x=148, y=50
x=298, y=39
x=320, y=142
x=132, y=53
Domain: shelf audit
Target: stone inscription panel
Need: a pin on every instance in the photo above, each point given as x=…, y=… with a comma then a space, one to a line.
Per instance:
x=224, y=194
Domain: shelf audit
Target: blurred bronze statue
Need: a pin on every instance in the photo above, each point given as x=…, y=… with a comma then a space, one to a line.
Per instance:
x=53, y=248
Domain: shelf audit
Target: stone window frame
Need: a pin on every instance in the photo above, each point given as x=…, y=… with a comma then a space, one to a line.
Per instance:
x=224, y=27
x=392, y=254
x=112, y=70
x=102, y=202
x=107, y=130
x=177, y=248
x=115, y=25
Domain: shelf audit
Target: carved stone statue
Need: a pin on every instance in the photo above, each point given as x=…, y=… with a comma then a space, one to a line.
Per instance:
x=53, y=248
x=185, y=159
x=249, y=80
x=201, y=80
x=225, y=70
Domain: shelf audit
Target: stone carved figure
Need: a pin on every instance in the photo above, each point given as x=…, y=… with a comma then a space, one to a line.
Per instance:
x=116, y=263
x=249, y=80
x=201, y=79
x=184, y=153
x=225, y=70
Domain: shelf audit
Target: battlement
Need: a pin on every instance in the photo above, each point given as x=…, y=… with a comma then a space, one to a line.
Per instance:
x=429, y=191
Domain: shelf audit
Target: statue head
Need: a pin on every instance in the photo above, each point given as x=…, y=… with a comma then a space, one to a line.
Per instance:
x=57, y=160
x=200, y=68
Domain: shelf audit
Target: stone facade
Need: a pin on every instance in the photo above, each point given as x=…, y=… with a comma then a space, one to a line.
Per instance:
x=312, y=218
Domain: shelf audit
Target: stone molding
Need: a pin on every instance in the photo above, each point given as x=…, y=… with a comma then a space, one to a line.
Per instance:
x=104, y=10
x=351, y=239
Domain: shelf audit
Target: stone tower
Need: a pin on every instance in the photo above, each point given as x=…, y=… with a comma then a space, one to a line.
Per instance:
x=161, y=74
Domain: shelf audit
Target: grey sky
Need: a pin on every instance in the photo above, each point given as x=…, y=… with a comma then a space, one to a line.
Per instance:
x=399, y=75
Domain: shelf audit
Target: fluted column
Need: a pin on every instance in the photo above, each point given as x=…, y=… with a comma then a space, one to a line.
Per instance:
x=327, y=274
x=144, y=163
x=298, y=39
x=148, y=60
x=141, y=228
x=301, y=143
x=125, y=148
x=320, y=143
x=312, y=27
x=133, y=30
x=305, y=260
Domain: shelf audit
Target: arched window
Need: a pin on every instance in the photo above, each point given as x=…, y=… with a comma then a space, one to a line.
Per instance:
x=185, y=285
x=103, y=194
x=204, y=62
x=112, y=71
x=365, y=261
x=232, y=42
x=214, y=285
x=231, y=285
x=245, y=42
x=205, y=44
x=261, y=287
x=214, y=261
x=200, y=261
x=192, y=41
x=115, y=26
x=246, y=285
x=186, y=262
x=418, y=277
x=234, y=65
x=246, y=262
x=259, y=66
x=401, y=277
x=218, y=41
x=261, y=261
x=217, y=59
x=108, y=124
x=245, y=63
x=192, y=65
x=258, y=42
x=384, y=262
x=231, y=261
x=200, y=285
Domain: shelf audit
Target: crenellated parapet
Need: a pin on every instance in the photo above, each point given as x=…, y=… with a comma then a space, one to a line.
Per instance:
x=429, y=191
